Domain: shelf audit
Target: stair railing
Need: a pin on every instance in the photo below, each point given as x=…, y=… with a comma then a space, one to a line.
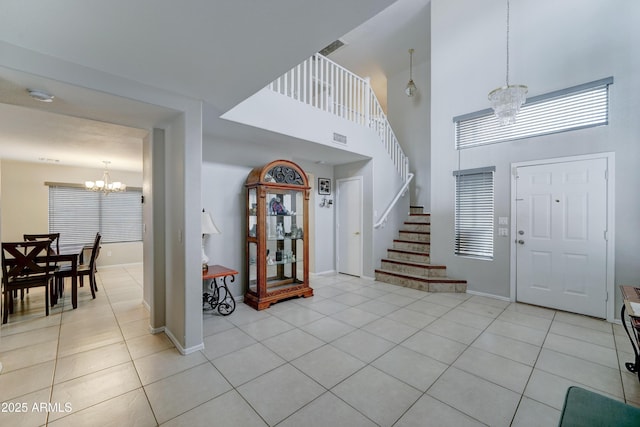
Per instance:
x=383, y=219
x=323, y=84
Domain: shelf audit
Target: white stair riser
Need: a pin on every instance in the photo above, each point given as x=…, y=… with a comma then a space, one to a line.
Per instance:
x=414, y=237
x=400, y=256
x=416, y=209
x=415, y=270
x=411, y=246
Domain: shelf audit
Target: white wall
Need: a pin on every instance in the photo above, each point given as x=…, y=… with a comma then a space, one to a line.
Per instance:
x=224, y=196
x=25, y=204
x=554, y=45
x=410, y=119
x=278, y=113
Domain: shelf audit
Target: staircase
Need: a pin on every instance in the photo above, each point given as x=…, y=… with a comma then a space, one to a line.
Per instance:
x=408, y=263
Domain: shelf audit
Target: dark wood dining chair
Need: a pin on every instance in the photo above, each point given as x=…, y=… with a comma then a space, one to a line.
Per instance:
x=54, y=249
x=83, y=269
x=25, y=265
x=54, y=237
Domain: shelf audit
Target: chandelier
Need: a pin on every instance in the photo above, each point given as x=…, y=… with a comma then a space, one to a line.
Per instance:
x=507, y=100
x=105, y=184
x=411, y=88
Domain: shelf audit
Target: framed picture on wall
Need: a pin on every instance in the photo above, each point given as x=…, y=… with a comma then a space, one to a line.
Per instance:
x=324, y=186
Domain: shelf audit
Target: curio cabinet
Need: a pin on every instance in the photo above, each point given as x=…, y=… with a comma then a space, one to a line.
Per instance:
x=276, y=234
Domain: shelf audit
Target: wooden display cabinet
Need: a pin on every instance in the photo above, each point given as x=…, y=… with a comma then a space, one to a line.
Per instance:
x=276, y=235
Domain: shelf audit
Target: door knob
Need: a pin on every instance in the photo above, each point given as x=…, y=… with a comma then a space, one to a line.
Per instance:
x=521, y=242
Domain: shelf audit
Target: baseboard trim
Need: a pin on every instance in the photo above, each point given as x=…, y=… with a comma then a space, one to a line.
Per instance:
x=323, y=273
x=484, y=294
x=154, y=331
x=181, y=349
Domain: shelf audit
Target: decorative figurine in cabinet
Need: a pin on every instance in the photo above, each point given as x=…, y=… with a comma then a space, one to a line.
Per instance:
x=276, y=234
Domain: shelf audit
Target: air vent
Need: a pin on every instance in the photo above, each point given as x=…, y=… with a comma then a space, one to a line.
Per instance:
x=331, y=48
x=339, y=138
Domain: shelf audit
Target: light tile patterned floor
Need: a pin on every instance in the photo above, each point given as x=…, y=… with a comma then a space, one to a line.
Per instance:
x=359, y=353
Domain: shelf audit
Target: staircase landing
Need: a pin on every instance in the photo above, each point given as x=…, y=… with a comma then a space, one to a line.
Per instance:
x=408, y=263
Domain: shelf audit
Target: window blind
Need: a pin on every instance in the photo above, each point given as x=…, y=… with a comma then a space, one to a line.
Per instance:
x=574, y=108
x=474, y=212
x=78, y=214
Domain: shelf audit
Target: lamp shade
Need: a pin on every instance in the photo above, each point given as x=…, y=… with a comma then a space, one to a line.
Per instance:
x=208, y=226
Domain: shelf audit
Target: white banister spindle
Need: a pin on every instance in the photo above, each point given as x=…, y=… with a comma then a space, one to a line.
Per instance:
x=323, y=84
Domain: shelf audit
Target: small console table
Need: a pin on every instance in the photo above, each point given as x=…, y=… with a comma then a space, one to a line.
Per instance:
x=220, y=296
x=631, y=294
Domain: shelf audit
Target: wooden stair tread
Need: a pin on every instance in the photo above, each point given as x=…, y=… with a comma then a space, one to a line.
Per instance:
x=410, y=241
x=415, y=232
x=419, y=278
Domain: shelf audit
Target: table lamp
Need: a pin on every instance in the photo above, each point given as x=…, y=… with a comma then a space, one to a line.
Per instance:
x=208, y=227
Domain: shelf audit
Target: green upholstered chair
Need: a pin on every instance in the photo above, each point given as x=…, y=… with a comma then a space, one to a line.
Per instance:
x=584, y=408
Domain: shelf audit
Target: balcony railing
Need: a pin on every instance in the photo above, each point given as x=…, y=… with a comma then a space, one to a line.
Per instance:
x=323, y=84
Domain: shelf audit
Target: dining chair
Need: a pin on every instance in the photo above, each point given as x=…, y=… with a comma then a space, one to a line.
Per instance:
x=54, y=249
x=54, y=237
x=83, y=269
x=25, y=265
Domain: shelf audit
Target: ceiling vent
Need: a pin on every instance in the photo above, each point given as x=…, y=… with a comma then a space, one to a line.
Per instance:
x=332, y=47
x=339, y=138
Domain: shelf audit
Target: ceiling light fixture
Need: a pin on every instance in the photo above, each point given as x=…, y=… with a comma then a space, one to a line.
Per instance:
x=40, y=95
x=105, y=185
x=411, y=88
x=507, y=100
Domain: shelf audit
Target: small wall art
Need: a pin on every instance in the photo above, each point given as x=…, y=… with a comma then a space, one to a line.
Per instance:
x=324, y=186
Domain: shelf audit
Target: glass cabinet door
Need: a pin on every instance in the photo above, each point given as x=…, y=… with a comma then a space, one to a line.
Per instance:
x=284, y=238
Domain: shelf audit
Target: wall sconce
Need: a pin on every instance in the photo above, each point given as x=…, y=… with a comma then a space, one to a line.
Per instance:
x=326, y=203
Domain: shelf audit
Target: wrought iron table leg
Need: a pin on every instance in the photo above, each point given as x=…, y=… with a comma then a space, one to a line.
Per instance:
x=226, y=302
x=631, y=367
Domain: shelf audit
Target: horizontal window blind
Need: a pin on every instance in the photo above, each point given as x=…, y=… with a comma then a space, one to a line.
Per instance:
x=574, y=108
x=474, y=212
x=78, y=214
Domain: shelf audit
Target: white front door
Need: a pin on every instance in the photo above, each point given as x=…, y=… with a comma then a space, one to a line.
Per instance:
x=561, y=224
x=349, y=226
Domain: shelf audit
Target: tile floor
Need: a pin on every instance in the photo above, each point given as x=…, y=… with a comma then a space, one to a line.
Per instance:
x=359, y=353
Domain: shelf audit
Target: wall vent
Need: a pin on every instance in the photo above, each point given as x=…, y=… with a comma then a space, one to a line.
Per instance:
x=339, y=138
x=332, y=47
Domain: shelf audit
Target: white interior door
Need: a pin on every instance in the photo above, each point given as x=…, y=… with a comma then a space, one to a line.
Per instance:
x=561, y=224
x=349, y=226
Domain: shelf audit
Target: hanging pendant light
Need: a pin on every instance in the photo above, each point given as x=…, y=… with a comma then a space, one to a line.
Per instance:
x=411, y=88
x=105, y=184
x=507, y=100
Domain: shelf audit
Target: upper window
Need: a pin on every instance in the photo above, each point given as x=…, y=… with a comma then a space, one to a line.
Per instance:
x=78, y=214
x=474, y=213
x=574, y=108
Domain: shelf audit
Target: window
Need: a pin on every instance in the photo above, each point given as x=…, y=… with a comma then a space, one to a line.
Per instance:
x=78, y=214
x=474, y=213
x=574, y=108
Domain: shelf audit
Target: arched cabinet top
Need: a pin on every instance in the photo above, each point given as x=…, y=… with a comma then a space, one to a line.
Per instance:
x=279, y=172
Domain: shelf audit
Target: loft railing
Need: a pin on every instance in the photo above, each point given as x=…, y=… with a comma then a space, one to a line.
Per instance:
x=325, y=85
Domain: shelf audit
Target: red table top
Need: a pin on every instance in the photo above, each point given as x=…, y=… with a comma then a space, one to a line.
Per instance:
x=217, y=271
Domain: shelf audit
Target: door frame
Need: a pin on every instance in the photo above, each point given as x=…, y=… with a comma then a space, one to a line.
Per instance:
x=610, y=261
x=339, y=183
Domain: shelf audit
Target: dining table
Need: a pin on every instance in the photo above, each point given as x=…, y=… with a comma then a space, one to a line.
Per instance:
x=72, y=253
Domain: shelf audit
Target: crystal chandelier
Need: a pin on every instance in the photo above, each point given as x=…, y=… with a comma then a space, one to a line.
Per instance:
x=507, y=100
x=105, y=184
x=411, y=88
